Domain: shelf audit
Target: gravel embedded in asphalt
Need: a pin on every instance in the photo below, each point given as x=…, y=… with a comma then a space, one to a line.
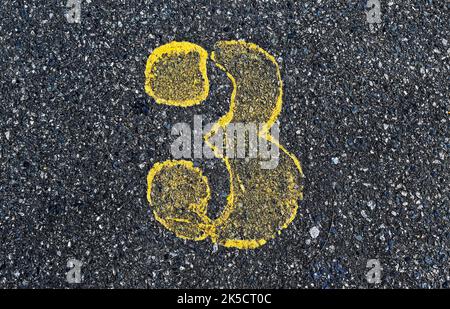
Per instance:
x=365, y=111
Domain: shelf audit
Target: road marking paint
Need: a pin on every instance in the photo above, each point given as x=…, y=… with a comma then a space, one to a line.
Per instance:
x=261, y=201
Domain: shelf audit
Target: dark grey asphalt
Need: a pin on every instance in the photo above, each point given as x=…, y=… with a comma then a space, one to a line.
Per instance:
x=365, y=112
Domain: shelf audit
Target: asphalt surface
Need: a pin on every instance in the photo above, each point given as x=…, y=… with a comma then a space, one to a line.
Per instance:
x=365, y=112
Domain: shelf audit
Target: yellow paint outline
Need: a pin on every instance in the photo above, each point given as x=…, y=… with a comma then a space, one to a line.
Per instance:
x=264, y=133
x=199, y=208
x=211, y=226
x=175, y=47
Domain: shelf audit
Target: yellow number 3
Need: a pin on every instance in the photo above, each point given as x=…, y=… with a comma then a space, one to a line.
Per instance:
x=261, y=202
